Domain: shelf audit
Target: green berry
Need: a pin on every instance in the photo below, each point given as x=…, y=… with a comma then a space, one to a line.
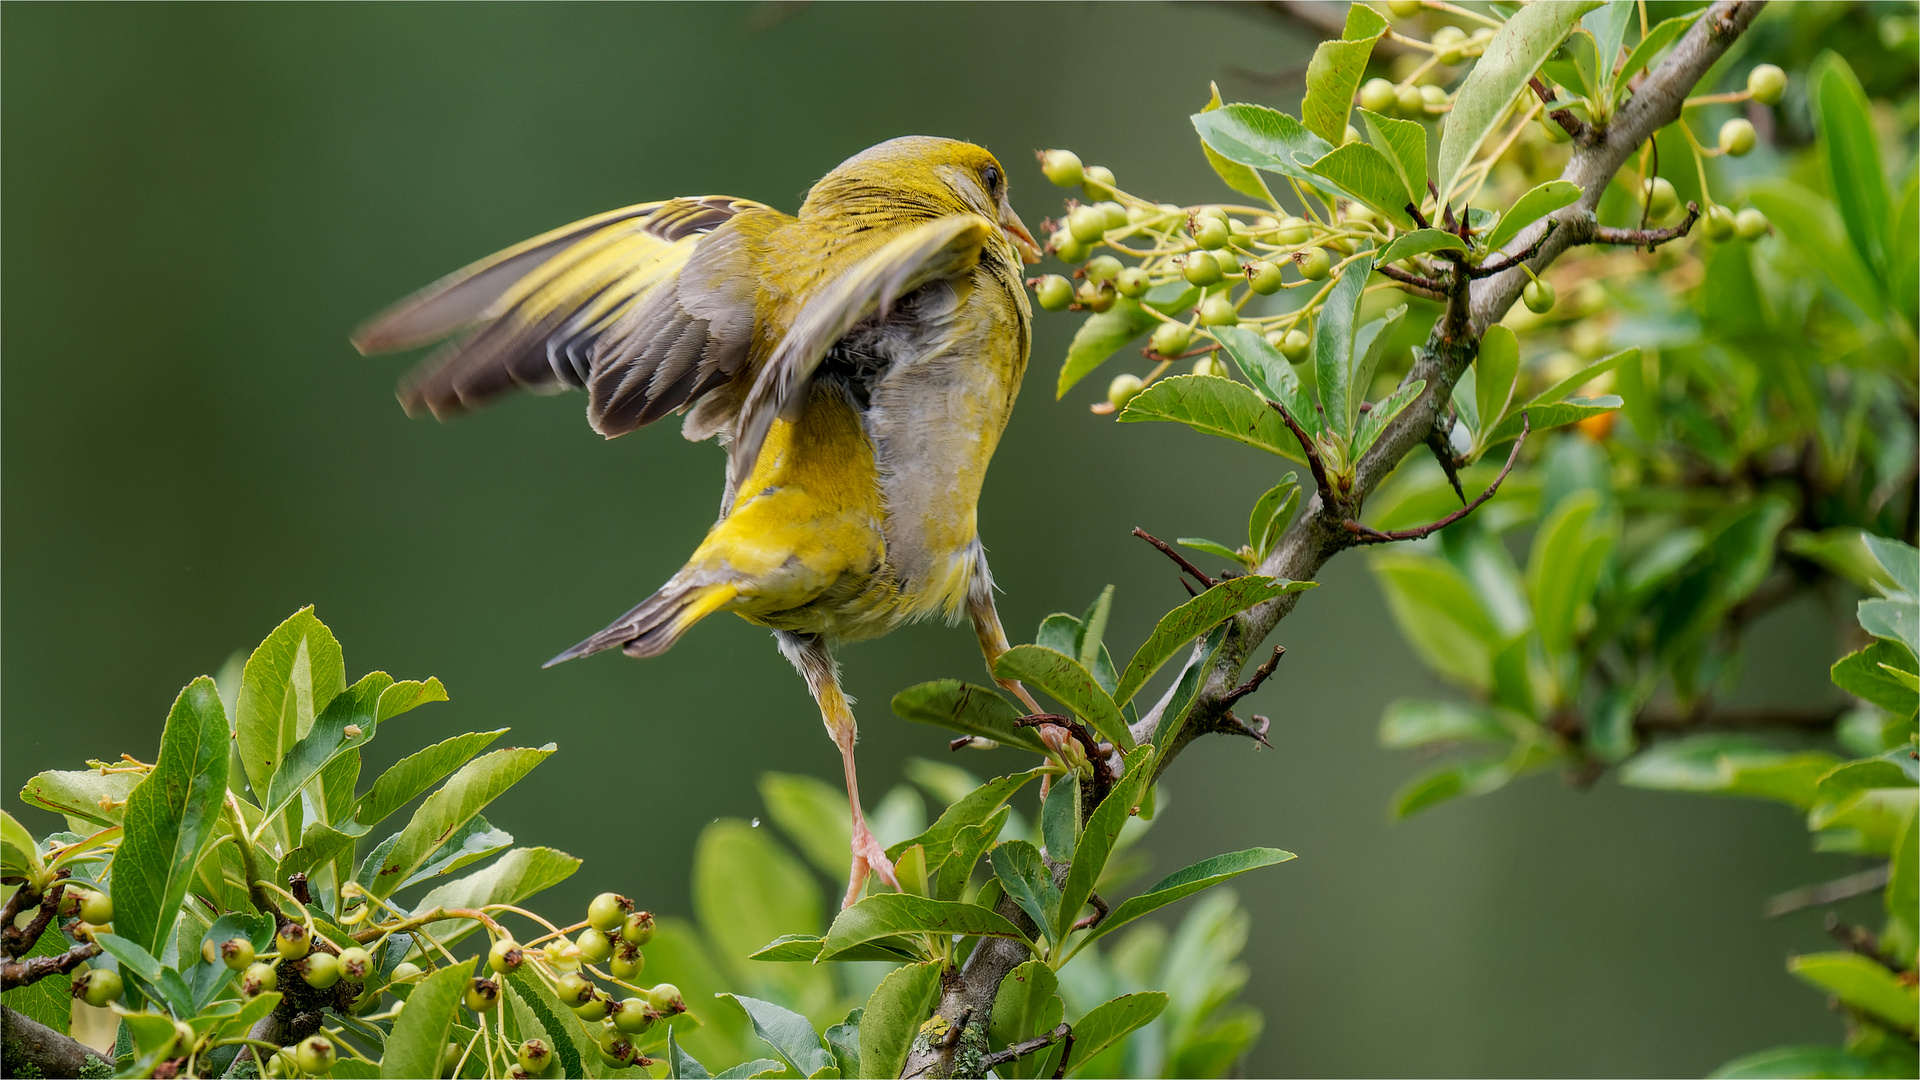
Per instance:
x=1218, y=310
x=1404, y=9
x=505, y=955
x=633, y=1015
x=1555, y=133
x=1377, y=95
x=1122, y=389
x=628, y=961
x=1215, y=212
x=281, y=1064
x=617, y=1053
x=1750, y=224
x=1201, y=269
x=1103, y=268
x=1352, y=134
x=1767, y=83
x=1132, y=282
x=1116, y=214
x=1294, y=346
x=573, y=989
x=666, y=1000
x=450, y=1059
x=355, y=964
x=98, y=987
x=1062, y=168
x=236, y=953
x=534, y=1056
x=1447, y=44
x=482, y=995
x=1263, y=277
x=259, y=979
x=1209, y=365
x=1171, y=339
x=1539, y=296
x=1097, y=182
x=1662, y=200
x=1065, y=247
x=96, y=908
x=1087, y=223
x=595, y=946
x=319, y=970
x=1410, y=101
x=1293, y=231
x=594, y=1009
x=405, y=971
x=1211, y=233
x=1433, y=96
x=1228, y=261
x=1736, y=137
x=315, y=1055
x=293, y=941
x=1314, y=263
x=1054, y=294
x=1095, y=297
x=1719, y=224
x=607, y=909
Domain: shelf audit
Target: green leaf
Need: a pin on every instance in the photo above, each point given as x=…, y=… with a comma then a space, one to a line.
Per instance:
x=1023, y=873
x=1237, y=176
x=420, y=1032
x=415, y=774
x=1333, y=334
x=1369, y=346
x=1440, y=615
x=977, y=806
x=805, y=948
x=1060, y=818
x=50, y=1000
x=968, y=845
x=319, y=844
x=1729, y=765
x=1564, y=566
x=1498, y=79
x=843, y=1041
x=81, y=794
x=1407, y=724
x=1334, y=74
x=1098, y=838
x=1272, y=513
x=1862, y=675
x=1531, y=207
x=747, y=890
x=1845, y=123
x=442, y=814
x=790, y=1034
x=288, y=680
x=1181, y=884
x=1371, y=176
x=1559, y=391
x=357, y=706
x=681, y=1065
x=1862, y=983
x=1209, y=547
x=1419, y=242
x=1795, y=1061
x=814, y=815
x=1405, y=144
x=1270, y=374
x=892, y=914
x=1903, y=884
x=1496, y=373
x=1100, y=337
x=1195, y=617
x=970, y=710
x=1894, y=620
x=1901, y=561
x=1019, y=1002
x=1661, y=35
x=893, y=1015
x=407, y=695
x=517, y=875
x=1263, y=138
x=1810, y=223
x=171, y=817
x=575, y=1050
x=1215, y=406
x=1432, y=788
x=1375, y=421
x=1112, y=1021
x=1090, y=647
x=19, y=851
x=1067, y=682
x=1547, y=417
x=1608, y=25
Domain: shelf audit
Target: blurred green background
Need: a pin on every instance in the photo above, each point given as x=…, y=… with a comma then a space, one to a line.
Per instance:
x=201, y=201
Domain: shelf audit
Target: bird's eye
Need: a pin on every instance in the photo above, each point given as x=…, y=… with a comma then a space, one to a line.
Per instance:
x=992, y=177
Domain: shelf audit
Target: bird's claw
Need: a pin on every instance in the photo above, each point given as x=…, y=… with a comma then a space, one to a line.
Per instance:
x=869, y=855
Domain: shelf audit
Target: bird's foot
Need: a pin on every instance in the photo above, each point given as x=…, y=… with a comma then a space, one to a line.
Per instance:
x=869, y=855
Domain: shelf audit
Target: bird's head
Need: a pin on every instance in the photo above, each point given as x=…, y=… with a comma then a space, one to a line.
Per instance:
x=919, y=175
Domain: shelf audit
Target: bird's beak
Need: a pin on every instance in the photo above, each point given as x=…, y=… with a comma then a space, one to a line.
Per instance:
x=1016, y=231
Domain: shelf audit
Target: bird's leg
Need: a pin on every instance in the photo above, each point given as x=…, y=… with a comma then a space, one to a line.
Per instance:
x=986, y=626
x=817, y=666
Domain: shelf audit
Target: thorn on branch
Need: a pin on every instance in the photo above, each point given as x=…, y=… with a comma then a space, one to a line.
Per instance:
x=1260, y=675
x=1314, y=463
x=1650, y=238
x=1374, y=536
x=1099, y=913
x=1418, y=219
x=1255, y=729
x=1425, y=286
x=1518, y=258
x=1167, y=550
x=1437, y=442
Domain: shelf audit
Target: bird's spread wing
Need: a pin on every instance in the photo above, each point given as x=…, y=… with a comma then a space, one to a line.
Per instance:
x=941, y=249
x=541, y=314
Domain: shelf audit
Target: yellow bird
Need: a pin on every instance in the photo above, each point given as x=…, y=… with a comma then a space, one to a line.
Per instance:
x=858, y=363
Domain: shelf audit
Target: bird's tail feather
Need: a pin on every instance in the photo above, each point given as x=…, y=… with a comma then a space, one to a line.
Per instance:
x=655, y=623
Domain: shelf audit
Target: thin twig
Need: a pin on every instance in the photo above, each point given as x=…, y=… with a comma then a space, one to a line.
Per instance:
x=1649, y=238
x=1099, y=913
x=1830, y=892
x=1167, y=550
x=1066, y=1054
x=1518, y=257
x=1260, y=675
x=1022, y=1049
x=1375, y=536
x=1425, y=286
x=1314, y=463
x=1568, y=122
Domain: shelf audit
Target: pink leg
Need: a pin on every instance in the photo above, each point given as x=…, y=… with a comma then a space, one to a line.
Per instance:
x=816, y=665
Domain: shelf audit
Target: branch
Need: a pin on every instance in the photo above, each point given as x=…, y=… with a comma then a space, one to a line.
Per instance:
x=1022, y=1049
x=1314, y=464
x=1425, y=286
x=1260, y=675
x=30, y=1048
x=1647, y=238
x=17, y=973
x=1830, y=892
x=1375, y=536
x=1165, y=549
x=1532, y=249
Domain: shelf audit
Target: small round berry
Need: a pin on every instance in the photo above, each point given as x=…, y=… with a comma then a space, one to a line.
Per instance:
x=1065, y=247
x=1295, y=345
x=98, y=987
x=1217, y=212
x=259, y=979
x=450, y=1059
x=1736, y=137
x=1377, y=95
x=1116, y=214
x=1053, y=293
x=1481, y=35
x=1314, y=263
x=1211, y=233
x=607, y=909
x=1293, y=231
x=1124, y=388
x=1433, y=96
x=1404, y=9
x=1539, y=296
x=315, y=1055
x=1132, y=282
x=515, y=1072
x=1719, y=224
x=634, y=1015
x=666, y=1000
x=282, y=1064
x=534, y=1056
x=1766, y=83
x=1352, y=134
x=1171, y=338
x=594, y=1009
x=1447, y=44
x=1087, y=223
x=1210, y=365
x=1750, y=224
x=1263, y=277
x=1097, y=181
x=1062, y=168
x=1218, y=310
x=319, y=969
x=1410, y=101
x=1228, y=260
x=1360, y=215
x=355, y=964
x=1201, y=269
x=405, y=971
x=1095, y=297
x=236, y=953
x=505, y=955
x=293, y=941
x=573, y=989
x=96, y=908
x=562, y=955
x=1103, y=268
x=1662, y=200
x=482, y=995
x=617, y=1053
x=595, y=946
x=628, y=961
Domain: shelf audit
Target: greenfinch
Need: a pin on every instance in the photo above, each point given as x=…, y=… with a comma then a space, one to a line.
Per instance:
x=857, y=362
